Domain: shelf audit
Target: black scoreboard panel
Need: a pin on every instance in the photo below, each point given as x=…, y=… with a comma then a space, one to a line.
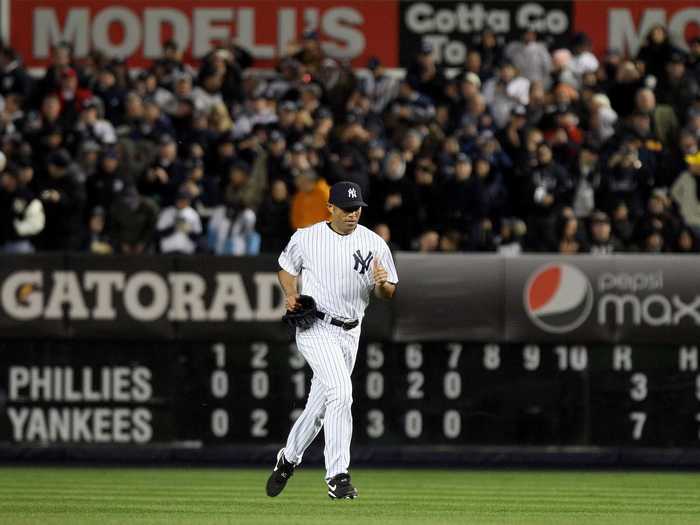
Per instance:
x=451, y=393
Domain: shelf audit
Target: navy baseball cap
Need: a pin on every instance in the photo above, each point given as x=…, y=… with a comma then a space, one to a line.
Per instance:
x=346, y=195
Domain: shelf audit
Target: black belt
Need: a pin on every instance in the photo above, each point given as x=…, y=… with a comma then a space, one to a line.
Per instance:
x=337, y=322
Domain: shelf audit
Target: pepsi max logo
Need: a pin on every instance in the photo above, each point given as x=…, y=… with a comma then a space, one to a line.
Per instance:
x=558, y=298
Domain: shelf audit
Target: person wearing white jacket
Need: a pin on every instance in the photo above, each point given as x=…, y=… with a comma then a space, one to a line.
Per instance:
x=23, y=215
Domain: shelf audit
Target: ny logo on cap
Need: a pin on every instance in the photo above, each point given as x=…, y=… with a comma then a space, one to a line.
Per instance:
x=352, y=193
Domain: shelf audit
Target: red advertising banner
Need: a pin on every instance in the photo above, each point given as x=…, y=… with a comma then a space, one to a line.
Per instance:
x=624, y=25
x=348, y=30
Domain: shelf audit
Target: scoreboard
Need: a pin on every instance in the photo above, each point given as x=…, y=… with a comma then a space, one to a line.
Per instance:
x=206, y=394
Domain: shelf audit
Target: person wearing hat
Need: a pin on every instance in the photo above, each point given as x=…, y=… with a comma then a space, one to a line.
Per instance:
x=91, y=125
x=96, y=240
x=602, y=240
x=157, y=182
x=341, y=264
x=108, y=181
x=63, y=195
x=426, y=75
x=678, y=87
x=179, y=226
x=504, y=91
x=21, y=214
x=71, y=95
x=686, y=192
x=379, y=87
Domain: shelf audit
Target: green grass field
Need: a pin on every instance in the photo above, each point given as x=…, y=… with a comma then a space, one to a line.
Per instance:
x=194, y=496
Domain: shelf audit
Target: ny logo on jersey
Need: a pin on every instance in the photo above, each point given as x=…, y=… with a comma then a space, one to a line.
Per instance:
x=362, y=264
x=352, y=193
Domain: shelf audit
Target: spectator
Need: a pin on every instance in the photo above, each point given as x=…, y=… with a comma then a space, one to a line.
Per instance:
x=425, y=76
x=505, y=91
x=63, y=198
x=510, y=240
x=550, y=188
x=429, y=241
x=569, y=239
x=274, y=219
x=677, y=88
x=309, y=204
x=687, y=242
x=157, y=181
x=133, y=222
x=14, y=79
x=656, y=51
x=686, y=193
x=70, y=95
x=378, y=86
x=231, y=229
x=384, y=232
x=22, y=214
x=96, y=240
x=179, y=226
x=602, y=240
x=108, y=181
x=530, y=57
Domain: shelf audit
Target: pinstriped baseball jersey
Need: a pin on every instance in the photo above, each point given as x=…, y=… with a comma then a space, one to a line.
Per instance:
x=337, y=270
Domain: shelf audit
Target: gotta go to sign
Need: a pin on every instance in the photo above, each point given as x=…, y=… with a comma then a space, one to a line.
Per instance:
x=348, y=30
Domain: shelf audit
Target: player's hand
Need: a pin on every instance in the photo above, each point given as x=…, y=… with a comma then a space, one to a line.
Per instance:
x=379, y=274
x=293, y=303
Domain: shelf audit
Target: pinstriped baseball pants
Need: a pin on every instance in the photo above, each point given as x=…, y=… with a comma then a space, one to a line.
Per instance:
x=330, y=352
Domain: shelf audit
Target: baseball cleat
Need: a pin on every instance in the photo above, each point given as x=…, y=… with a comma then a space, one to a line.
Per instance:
x=339, y=487
x=280, y=475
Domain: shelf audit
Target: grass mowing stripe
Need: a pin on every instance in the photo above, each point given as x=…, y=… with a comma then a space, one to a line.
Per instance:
x=194, y=496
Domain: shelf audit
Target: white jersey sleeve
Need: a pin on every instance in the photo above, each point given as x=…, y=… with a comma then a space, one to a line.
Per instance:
x=290, y=260
x=386, y=261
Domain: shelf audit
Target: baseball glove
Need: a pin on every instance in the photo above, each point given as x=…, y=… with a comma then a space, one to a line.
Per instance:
x=304, y=316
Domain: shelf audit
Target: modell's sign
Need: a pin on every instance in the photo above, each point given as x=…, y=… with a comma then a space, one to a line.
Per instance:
x=135, y=30
x=625, y=25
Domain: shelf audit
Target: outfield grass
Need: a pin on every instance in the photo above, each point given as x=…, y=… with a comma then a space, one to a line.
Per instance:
x=194, y=496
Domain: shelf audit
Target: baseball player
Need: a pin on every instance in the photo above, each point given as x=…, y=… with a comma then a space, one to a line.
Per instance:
x=339, y=263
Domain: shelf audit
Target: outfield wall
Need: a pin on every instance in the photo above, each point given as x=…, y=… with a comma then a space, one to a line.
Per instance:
x=479, y=359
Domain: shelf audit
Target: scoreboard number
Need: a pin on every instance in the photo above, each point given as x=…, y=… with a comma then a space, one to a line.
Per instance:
x=638, y=419
x=413, y=424
x=375, y=384
x=259, y=359
x=375, y=423
x=259, y=420
x=415, y=385
x=492, y=357
x=219, y=422
x=455, y=350
x=259, y=384
x=639, y=389
x=414, y=356
x=375, y=356
x=452, y=385
x=219, y=383
x=299, y=380
x=452, y=424
x=531, y=357
x=574, y=357
x=219, y=354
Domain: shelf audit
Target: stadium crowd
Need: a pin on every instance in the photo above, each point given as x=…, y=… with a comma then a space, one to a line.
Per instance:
x=528, y=147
